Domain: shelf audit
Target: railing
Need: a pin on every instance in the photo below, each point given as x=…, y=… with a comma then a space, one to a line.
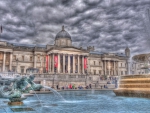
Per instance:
x=60, y=77
x=10, y=74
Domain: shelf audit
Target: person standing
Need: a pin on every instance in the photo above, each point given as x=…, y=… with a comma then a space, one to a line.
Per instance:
x=57, y=86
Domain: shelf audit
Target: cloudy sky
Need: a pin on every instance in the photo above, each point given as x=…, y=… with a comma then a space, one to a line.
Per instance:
x=109, y=25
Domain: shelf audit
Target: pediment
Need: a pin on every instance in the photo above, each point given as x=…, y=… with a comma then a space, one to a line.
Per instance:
x=67, y=50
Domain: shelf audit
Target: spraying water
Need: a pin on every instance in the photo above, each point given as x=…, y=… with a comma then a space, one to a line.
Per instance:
x=35, y=94
x=55, y=92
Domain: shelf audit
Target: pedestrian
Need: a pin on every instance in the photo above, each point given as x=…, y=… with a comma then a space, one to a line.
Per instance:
x=73, y=87
x=90, y=86
x=57, y=86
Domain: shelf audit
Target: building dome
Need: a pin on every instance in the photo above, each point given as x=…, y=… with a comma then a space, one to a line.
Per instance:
x=63, y=38
x=63, y=34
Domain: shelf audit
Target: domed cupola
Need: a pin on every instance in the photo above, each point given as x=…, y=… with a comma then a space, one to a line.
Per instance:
x=63, y=38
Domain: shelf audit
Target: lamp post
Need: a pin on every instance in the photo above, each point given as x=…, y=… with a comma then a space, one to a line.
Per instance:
x=86, y=73
x=17, y=64
x=54, y=76
x=86, y=77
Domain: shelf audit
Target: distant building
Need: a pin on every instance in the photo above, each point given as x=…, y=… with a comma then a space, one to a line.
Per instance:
x=62, y=58
x=141, y=64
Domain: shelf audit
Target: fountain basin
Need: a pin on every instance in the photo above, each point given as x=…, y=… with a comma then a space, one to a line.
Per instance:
x=134, y=86
x=103, y=101
x=16, y=101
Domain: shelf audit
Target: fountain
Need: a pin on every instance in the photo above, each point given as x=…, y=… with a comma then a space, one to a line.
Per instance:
x=13, y=88
x=134, y=86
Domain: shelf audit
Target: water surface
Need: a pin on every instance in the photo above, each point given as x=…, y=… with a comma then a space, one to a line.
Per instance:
x=84, y=102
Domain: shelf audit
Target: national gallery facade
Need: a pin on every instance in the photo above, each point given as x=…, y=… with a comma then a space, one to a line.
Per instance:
x=62, y=58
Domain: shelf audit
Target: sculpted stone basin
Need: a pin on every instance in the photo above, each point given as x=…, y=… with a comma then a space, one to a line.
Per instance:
x=134, y=86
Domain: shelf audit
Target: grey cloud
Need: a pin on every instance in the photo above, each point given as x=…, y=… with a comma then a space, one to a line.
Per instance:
x=109, y=25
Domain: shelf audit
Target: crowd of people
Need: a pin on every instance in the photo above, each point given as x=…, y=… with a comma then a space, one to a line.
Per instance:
x=109, y=80
x=73, y=86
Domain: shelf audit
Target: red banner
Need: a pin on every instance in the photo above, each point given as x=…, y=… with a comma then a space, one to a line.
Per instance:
x=85, y=63
x=47, y=62
x=56, y=61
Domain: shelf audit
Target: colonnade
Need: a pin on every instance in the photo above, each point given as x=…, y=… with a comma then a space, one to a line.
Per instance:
x=4, y=61
x=111, y=67
x=67, y=63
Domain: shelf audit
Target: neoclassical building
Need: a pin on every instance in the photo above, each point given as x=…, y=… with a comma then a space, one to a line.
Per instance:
x=62, y=58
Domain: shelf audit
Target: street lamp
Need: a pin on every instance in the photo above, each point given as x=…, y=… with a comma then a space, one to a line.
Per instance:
x=86, y=75
x=17, y=64
x=54, y=76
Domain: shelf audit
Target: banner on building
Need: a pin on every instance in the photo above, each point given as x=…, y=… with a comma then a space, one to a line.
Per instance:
x=56, y=61
x=85, y=63
x=47, y=62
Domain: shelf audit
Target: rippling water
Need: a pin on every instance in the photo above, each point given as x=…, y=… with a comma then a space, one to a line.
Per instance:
x=85, y=102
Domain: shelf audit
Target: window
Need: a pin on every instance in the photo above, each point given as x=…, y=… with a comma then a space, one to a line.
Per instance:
x=107, y=72
x=121, y=64
x=1, y=56
x=38, y=58
x=99, y=71
x=22, y=69
x=132, y=72
x=31, y=58
x=99, y=63
x=94, y=62
x=14, y=57
x=121, y=72
x=22, y=58
x=14, y=68
x=94, y=72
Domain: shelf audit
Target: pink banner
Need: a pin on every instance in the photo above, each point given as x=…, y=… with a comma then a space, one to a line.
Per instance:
x=85, y=63
x=56, y=61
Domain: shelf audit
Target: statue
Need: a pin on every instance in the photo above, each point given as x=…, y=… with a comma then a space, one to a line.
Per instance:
x=13, y=88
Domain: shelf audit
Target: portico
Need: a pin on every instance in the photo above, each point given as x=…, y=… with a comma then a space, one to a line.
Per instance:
x=62, y=62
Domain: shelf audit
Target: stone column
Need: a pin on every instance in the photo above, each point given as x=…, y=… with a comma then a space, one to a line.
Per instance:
x=114, y=68
x=105, y=67
x=118, y=68
x=88, y=67
x=128, y=67
x=50, y=58
x=68, y=64
x=63, y=63
x=34, y=61
x=109, y=67
x=101, y=68
x=73, y=63
x=53, y=63
x=10, y=62
x=78, y=63
x=58, y=63
x=4, y=60
x=83, y=64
